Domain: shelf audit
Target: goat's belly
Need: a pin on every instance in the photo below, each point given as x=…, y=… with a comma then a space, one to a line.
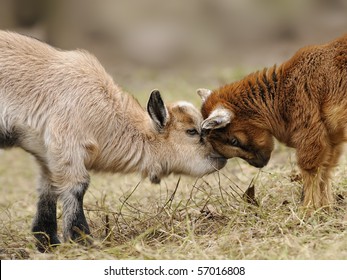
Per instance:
x=8, y=139
x=25, y=139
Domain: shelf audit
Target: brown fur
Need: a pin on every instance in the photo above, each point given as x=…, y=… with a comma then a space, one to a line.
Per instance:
x=62, y=107
x=302, y=103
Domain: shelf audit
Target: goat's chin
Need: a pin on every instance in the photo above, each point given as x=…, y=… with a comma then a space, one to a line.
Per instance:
x=209, y=167
x=155, y=179
x=219, y=162
x=201, y=168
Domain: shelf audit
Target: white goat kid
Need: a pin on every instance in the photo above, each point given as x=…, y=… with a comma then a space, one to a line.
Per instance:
x=63, y=108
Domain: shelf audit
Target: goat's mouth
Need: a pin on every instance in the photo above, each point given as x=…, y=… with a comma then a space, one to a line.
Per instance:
x=259, y=161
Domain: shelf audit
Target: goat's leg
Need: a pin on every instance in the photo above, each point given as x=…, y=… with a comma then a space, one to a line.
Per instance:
x=313, y=156
x=45, y=222
x=71, y=179
x=327, y=198
x=317, y=181
x=312, y=179
x=74, y=221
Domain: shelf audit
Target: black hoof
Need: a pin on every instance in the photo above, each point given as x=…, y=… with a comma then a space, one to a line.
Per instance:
x=46, y=243
x=82, y=237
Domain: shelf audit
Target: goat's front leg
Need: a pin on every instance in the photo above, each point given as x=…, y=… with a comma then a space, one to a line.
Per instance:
x=314, y=188
x=328, y=166
x=45, y=223
x=317, y=192
x=313, y=154
x=71, y=179
x=75, y=226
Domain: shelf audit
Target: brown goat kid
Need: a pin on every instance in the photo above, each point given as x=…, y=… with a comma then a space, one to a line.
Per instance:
x=302, y=103
x=63, y=108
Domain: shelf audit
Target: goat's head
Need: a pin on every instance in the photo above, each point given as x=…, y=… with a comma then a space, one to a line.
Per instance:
x=183, y=145
x=233, y=133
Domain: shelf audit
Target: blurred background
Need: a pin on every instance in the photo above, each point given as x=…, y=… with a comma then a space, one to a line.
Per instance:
x=178, y=46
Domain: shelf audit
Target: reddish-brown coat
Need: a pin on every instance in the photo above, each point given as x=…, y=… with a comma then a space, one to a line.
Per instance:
x=302, y=103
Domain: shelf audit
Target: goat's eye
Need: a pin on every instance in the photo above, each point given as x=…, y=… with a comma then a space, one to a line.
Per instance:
x=192, y=132
x=234, y=142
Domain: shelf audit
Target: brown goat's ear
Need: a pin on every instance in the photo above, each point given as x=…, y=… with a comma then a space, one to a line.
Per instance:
x=204, y=93
x=157, y=110
x=218, y=118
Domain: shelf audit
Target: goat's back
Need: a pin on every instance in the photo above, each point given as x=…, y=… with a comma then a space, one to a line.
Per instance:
x=50, y=82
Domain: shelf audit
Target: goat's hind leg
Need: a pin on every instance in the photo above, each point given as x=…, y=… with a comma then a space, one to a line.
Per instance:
x=45, y=222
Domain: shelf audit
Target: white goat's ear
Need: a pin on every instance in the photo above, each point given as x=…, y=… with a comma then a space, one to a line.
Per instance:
x=204, y=93
x=218, y=118
x=157, y=110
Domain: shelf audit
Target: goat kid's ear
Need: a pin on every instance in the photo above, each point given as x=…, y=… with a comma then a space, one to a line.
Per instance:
x=204, y=93
x=157, y=110
x=218, y=118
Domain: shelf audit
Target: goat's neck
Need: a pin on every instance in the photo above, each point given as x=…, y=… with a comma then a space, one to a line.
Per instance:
x=133, y=146
x=262, y=101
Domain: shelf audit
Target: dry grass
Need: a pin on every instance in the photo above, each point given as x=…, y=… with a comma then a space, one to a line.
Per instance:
x=183, y=218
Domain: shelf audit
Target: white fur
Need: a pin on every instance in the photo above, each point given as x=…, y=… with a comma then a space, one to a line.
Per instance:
x=204, y=93
x=218, y=118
